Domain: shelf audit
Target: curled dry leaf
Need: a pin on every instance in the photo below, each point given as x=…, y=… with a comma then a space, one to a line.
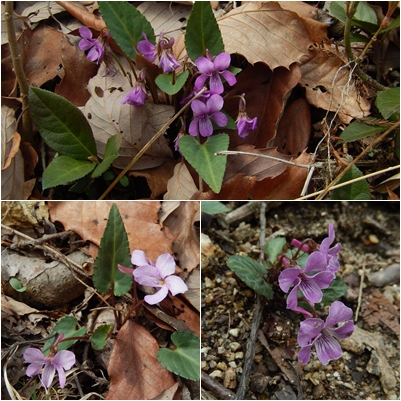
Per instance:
x=330, y=86
x=137, y=125
x=183, y=222
x=12, y=161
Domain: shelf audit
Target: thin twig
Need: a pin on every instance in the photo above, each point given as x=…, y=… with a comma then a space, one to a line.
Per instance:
x=238, y=153
x=26, y=127
x=149, y=144
x=217, y=388
x=360, y=291
x=343, y=184
x=366, y=150
x=257, y=315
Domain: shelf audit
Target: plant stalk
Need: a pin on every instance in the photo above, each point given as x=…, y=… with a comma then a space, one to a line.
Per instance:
x=26, y=121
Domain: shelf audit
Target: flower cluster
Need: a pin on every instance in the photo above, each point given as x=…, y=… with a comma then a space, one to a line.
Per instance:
x=160, y=275
x=60, y=361
x=318, y=273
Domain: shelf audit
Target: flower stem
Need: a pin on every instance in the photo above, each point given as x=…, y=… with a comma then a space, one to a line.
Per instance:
x=26, y=124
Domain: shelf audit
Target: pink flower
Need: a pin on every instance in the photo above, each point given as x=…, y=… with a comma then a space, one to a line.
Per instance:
x=244, y=123
x=322, y=335
x=160, y=275
x=96, y=50
x=62, y=360
x=204, y=112
x=137, y=95
x=212, y=69
x=163, y=49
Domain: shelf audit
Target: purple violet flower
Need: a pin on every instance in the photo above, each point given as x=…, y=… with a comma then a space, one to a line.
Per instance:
x=326, y=258
x=61, y=361
x=311, y=285
x=244, y=123
x=204, y=112
x=147, y=49
x=137, y=95
x=212, y=69
x=167, y=60
x=322, y=335
x=150, y=51
x=96, y=50
x=159, y=275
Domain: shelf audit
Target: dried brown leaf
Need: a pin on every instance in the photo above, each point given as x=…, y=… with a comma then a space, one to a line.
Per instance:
x=107, y=117
x=181, y=185
x=135, y=373
x=88, y=219
x=330, y=86
x=263, y=31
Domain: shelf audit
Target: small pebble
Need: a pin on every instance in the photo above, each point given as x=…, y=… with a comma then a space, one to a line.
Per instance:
x=217, y=374
x=234, y=346
x=234, y=332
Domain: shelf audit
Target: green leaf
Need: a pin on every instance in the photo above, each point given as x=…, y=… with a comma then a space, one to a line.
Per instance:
x=356, y=191
x=203, y=32
x=214, y=207
x=66, y=325
x=110, y=154
x=274, y=247
x=126, y=25
x=184, y=360
x=251, y=273
x=358, y=130
x=388, y=103
x=335, y=291
x=114, y=249
x=165, y=82
x=62, y=125
x=16, y=284
x=365, y=13
x=201, y=157
x=99, y=337
x=338, y=11
x=65, y=169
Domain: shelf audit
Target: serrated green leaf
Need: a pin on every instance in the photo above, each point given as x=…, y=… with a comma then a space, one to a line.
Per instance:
x=355, y=191
x=201, y=157
x=126, y=25
x=65, y=169
x=202, y=32
x=274, y=247
x=184, y=360
x=62, y=125
x=358, y=130
x=99, y=337
x=110, y=154
x=16, y=284
x=165, y=82
x=66, y=325
x=335, y=291
x=251, y=273
x=113, y=250
x=388, y=103
x=214, y=207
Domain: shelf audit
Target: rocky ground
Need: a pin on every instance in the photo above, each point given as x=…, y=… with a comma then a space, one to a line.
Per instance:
x=369, y=367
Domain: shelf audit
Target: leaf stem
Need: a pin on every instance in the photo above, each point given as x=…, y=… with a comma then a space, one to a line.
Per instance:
x=26, y=125
x=149, y=144
x=350, y=12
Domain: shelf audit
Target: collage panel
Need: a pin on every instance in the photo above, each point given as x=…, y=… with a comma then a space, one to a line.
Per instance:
x=101, y=300
x=300, y=300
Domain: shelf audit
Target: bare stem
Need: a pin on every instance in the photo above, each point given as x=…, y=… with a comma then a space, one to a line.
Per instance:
x=26, y=125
